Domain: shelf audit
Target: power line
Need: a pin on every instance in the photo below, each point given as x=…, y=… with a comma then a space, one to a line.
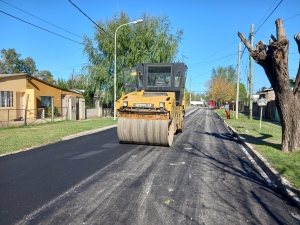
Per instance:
x=217, y=52
x=40, y=18
x=268, y=16
x=263, y=23
x=90, y=19
x=41, y=28
x=282, y=20
x=210, y=61
x=268, y=11
x=68, y=68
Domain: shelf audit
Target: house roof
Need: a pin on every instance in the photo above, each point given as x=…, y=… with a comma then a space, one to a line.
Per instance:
x=33, y=77
x=267, y=90
x=13, y=74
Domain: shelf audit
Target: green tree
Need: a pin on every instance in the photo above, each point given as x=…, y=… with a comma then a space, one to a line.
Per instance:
x=46, y=76
x=29, y=66
x=242, y=93
x=63, y=84
x=222, y=85
x=11, y=62
x=151, y=41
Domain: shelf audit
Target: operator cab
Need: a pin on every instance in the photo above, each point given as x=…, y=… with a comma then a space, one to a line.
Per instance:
x=156, y=77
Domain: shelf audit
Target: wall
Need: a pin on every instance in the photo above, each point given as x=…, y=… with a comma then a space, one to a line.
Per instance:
x=91, y=113
x=14, y=84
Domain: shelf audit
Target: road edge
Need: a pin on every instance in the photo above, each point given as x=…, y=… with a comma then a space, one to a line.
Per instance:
x=87, y=132
x=277, y=180
x=63, y=139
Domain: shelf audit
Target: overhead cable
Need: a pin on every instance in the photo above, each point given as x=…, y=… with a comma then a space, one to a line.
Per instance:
x=40, y=18
x=91, y=19
x=268, y=16
x=41, y=28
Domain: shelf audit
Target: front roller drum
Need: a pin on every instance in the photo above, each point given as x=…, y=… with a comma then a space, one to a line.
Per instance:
x=142, y=131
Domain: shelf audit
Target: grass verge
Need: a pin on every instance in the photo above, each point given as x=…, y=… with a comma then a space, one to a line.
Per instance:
x=267, y=141
x=14, y=139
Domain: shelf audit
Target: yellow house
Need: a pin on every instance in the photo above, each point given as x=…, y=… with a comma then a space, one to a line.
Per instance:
x=21, y=91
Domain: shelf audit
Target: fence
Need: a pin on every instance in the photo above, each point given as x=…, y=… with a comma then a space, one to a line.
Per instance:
x=18, y=117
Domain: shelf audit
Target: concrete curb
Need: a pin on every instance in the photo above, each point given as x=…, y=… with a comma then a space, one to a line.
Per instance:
x=277, y=180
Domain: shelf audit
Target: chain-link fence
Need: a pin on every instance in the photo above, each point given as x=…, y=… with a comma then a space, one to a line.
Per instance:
x=19, y=117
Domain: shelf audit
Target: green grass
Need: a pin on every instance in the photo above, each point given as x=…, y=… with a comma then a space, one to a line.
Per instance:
x=19, y=138
x=267, y=141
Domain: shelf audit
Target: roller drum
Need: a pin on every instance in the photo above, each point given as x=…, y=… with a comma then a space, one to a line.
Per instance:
x=141, y=131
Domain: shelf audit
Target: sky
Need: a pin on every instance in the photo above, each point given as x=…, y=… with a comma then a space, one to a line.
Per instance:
x=210, y=27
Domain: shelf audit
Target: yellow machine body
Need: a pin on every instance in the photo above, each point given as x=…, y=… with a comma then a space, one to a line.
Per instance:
x=150, y=115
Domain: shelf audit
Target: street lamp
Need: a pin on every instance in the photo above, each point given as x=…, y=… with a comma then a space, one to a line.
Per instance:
x=115, y=64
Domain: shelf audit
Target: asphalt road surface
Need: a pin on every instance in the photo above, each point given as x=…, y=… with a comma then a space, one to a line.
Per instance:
x=204, y=178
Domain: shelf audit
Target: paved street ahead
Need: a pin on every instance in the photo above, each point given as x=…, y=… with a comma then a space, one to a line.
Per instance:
x=204, y=178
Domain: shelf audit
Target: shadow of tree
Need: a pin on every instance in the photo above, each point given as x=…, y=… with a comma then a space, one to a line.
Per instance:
x=261, y=140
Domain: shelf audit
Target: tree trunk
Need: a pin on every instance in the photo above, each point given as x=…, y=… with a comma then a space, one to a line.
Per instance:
x=274, y=59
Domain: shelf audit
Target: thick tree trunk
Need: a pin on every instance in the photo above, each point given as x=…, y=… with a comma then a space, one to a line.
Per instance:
x=274, y=59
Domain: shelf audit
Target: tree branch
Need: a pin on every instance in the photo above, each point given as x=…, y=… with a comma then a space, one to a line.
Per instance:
x=297, y=80
x=297, y=39
x=246, y=43
x=280, y=30
x=259, y=55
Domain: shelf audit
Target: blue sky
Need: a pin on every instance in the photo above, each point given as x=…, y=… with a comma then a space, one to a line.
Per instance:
x=210, y=32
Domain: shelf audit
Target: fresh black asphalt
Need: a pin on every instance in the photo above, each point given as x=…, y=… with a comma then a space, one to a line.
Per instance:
x=204, y=178
x=30, y=179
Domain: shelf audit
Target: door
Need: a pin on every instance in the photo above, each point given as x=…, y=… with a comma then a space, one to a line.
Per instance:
x=20, y=104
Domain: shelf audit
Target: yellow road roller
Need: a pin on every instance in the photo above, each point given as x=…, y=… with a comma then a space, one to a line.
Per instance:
x=152, y=106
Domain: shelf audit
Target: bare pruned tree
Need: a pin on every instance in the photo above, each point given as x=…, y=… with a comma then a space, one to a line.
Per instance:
x=274, y=60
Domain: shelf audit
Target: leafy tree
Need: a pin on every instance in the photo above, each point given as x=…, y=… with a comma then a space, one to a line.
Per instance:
x=12, y=63
x=222, y=86
x=274, y=60
x=46, y=76
x=63, y=84
x=242, y=93
x=149, y=41
x=78, y=82
x=29, y=66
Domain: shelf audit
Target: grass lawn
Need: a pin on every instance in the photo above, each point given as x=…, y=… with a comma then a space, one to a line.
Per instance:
x=19, y=138
x=267, y=141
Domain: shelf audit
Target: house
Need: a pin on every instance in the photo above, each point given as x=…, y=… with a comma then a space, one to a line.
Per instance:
x=22, y=91
x=267, y=94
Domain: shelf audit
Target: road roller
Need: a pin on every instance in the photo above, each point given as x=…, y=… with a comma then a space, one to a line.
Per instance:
x=152, y=106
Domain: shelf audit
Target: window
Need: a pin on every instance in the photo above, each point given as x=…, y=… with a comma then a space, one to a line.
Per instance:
x=140, y=79
x=45, y=101
x=159, y=76
x=6, y=99
x=177, y=79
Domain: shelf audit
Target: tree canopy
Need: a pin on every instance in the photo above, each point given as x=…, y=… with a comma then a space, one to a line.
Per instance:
x=222, y=85
x=11, y=62
x=151, y=41
x=46, y=76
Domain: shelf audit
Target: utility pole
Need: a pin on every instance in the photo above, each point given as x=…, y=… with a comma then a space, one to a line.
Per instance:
x=248, y=72
x=251, y=74
x=190, y=89
x=238, y=84
x=73, y=80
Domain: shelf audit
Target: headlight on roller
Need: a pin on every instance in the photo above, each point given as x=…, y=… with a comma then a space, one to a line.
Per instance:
x=161, y=104
x=125, y=103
